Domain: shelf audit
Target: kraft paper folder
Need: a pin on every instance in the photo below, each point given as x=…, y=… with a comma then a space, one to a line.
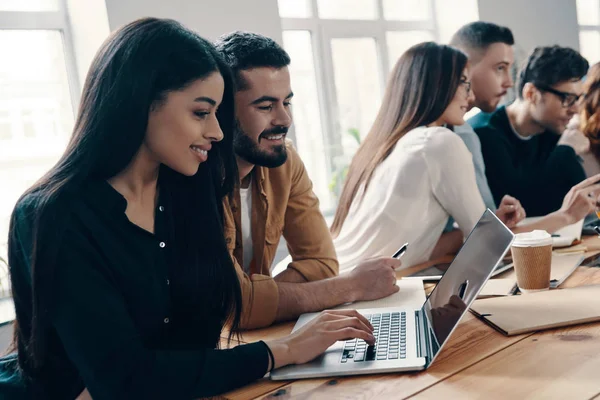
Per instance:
x=541, y=310
x=563, y=266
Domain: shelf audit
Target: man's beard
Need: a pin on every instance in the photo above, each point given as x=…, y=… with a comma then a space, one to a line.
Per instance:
x=250, y=151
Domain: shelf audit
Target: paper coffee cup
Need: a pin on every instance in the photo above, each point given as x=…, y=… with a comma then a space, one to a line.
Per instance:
x=532, y=258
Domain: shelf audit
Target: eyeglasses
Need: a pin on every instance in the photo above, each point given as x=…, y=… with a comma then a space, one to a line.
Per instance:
x=467, y=85
x=567, y=99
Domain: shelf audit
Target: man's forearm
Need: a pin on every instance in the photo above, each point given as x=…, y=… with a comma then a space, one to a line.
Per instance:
x=290, y=275
x=300, y=298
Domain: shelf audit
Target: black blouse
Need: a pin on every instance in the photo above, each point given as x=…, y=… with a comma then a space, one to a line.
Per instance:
x=115, y=329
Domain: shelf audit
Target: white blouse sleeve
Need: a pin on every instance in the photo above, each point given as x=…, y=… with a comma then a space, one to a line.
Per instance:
x=452, y=176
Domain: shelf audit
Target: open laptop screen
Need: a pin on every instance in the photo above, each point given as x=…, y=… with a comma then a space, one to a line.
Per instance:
x=485, y=247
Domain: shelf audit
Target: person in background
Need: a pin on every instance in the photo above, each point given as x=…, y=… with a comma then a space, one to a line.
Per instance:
x=411, y=172
x=121, y=277
x=524, y=152
x=491, y=56
x=490, y=52
x=274, y=197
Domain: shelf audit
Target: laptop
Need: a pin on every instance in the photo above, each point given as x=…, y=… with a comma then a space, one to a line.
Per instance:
x=410, y=339
x=435, y=272
x=589, y=223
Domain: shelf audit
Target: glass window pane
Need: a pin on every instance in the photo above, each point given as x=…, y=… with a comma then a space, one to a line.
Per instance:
x=347, y=9
x=29, y=5
x=589, y=44
x=36, y=115
x=451, y=15
x=294, y=8
x=407, y=10
x=4, y=277
x=588, y=12
x=358, y=94
x=399, y=42
x=307, y=116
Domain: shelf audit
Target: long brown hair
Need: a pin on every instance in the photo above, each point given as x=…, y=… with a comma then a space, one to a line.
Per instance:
x=590, y=109
x=420, y=88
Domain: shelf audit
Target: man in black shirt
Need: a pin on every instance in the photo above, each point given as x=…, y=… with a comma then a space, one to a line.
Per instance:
x=527, y=152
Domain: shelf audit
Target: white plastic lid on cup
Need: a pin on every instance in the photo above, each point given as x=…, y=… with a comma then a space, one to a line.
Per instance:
x=535, y=238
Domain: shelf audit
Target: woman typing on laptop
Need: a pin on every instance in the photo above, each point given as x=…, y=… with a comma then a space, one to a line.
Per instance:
x=120, y=273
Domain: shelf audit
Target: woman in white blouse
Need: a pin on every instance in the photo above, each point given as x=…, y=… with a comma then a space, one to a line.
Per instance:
x=412, y=173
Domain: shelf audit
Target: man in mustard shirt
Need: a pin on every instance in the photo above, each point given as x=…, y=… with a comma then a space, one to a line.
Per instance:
x=275, y=198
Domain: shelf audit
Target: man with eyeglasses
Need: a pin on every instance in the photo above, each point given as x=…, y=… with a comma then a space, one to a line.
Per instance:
x=490, y=51
x=527, y=150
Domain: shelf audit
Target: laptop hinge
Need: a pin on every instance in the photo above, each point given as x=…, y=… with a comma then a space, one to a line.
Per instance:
x=422, y=343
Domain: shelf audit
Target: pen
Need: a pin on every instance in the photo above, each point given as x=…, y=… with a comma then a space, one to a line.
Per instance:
x=462, y=290
x=400, y=251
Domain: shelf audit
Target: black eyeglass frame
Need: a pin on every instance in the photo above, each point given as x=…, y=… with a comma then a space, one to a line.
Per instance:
x=467, y=85
x=567, y=99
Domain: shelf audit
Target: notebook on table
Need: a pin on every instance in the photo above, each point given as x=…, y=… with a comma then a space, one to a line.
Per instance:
x=498, y=287
x=563, y=266
x=410, y=295
x=563, y=237
x=541, y=310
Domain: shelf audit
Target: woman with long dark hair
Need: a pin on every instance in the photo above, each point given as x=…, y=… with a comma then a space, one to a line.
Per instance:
x=411, y=172
x=121, y=277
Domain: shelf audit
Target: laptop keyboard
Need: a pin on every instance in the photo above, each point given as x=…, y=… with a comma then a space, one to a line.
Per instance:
x=390, y=340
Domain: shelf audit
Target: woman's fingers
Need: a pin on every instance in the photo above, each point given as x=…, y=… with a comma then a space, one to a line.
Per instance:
x=347, y=322
x=351, y=333
x=349, y=313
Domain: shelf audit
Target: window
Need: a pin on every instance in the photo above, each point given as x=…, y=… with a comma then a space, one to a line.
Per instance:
x=38, y=89
x=588, y=16
x=342, y=52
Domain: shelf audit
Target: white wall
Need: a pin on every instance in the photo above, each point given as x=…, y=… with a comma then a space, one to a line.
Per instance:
x=209, y=18
x=535, y=22
x=89, y=27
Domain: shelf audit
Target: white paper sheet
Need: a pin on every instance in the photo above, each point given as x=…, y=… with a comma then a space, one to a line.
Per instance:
x=411, y=295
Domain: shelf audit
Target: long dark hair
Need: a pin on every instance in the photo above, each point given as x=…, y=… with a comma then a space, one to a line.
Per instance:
x=420, y=87
x=134, y=70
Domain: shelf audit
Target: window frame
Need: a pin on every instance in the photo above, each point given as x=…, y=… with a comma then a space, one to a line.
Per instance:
x=57, y=20
x=322, y=31
x=587, y=28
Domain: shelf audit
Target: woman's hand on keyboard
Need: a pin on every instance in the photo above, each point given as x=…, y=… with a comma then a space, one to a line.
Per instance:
x=319, y=334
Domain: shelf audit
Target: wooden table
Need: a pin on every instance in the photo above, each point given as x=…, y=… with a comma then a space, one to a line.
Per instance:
x=477, y=362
